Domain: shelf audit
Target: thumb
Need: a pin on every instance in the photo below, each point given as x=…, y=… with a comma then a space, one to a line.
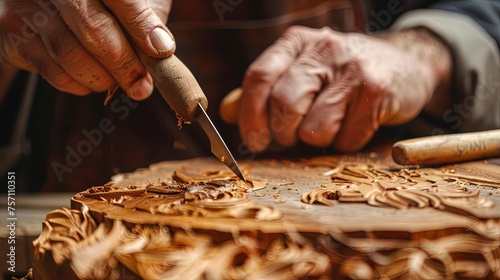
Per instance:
x=144, y=26
x=161, y=8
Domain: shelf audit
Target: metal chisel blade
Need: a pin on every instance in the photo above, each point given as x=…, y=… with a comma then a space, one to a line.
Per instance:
x=217, y=145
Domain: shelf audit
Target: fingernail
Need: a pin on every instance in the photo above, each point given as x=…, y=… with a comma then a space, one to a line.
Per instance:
x=142, y=88
x=161, y=40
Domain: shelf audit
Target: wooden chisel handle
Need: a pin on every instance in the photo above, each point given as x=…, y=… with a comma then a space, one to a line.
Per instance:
x=176, y=84
x=230, y=105
x=441, y=149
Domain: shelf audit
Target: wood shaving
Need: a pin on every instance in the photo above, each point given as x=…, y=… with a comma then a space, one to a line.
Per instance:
x=111, y=93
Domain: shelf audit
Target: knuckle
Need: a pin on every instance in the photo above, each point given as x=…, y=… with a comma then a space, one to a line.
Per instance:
x=293, y=39
x=127, y=71
x=296, y=30
x=301, y=33
x=258, y=74
x=327, y=47
x=98, y=26
x=72, y=56
x=281, y=98
x=325, y=52
x=108, y=47
x=139, y=18
x=64, y=51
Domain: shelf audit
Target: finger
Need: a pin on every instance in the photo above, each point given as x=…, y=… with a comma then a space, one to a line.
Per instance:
x=294, y=94
x=101, y=35
x=253, y=117
x=33, y=56
x=361, y=122
x=326, y=115
x=144, y=26
x=161, y=8
x=291, y=98
x=21, y=46
x=66, y=50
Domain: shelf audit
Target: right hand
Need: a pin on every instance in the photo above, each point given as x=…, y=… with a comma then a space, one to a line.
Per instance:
x=83, y=46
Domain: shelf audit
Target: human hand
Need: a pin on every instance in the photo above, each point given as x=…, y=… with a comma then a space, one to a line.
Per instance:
x=86, y=45
x=324, y=87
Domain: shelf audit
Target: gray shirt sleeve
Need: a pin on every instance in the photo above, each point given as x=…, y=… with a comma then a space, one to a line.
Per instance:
x=476, y=77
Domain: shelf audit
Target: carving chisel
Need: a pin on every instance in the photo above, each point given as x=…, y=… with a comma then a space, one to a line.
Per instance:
x=183, y=94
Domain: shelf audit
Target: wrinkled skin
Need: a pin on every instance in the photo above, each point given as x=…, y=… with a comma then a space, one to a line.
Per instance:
x=317, y=86
x=83, y=46
x=327, y=88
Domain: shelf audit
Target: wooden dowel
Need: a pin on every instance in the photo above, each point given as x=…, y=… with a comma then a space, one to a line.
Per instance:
x=441, y=149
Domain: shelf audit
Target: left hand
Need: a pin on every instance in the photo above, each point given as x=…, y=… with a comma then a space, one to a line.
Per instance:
x=329, y=88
